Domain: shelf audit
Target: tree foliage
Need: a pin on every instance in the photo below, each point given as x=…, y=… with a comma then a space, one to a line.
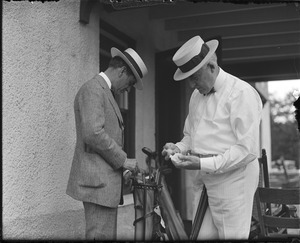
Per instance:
x=285, y=137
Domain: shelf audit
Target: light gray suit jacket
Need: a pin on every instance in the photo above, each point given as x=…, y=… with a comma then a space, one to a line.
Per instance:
x=96, y=172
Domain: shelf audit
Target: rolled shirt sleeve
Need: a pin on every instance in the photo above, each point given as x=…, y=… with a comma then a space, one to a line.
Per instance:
x=185, y=143
x=245, y=116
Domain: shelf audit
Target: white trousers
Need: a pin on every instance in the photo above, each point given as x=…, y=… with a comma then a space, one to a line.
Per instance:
x=230, y=199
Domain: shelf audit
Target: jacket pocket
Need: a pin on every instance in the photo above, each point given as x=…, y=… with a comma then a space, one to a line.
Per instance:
x=91, y=172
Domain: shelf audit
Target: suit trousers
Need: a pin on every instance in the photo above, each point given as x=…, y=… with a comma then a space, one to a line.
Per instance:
x=101, y=222
x=230, y=199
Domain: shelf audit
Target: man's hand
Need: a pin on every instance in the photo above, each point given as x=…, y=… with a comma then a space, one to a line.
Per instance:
x=126, y=176
x=130, y=164
x=169, y=149
x=187, y=162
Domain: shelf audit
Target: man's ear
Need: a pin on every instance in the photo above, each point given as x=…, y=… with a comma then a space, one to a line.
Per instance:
x=212, y=65
x=122, y=71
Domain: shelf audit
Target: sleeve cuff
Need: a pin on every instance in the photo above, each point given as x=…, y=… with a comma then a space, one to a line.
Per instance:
x=119, y=160
x=182, y=147
x=207, y=165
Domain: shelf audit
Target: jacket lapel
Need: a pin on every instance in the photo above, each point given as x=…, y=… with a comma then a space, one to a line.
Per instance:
x=110, y=97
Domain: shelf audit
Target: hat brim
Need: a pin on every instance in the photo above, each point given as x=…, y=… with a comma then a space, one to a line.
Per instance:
x=115, y=52
x=213, y=45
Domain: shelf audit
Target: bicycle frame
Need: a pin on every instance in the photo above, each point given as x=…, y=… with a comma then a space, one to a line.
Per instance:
x=155, y=194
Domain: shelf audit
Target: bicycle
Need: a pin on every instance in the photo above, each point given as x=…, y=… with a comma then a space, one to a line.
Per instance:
x=155, y=215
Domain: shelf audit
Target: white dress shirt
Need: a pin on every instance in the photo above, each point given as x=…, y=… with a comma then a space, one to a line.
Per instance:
x=225, y=123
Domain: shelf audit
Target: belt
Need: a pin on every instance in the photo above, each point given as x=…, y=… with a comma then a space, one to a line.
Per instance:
x=200, y=155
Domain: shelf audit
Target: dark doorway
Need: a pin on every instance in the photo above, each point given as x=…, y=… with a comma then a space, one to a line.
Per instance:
x=170, y=102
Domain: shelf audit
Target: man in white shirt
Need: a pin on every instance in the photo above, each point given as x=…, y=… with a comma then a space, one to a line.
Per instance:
x=99, y=159
x=222, y=130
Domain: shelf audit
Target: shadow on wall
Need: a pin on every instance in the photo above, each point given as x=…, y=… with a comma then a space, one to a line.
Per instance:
x=66, y=225
x=69, y=225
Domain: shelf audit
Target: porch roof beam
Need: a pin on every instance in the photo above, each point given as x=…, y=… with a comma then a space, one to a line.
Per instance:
x=187, y=9
x=85, y=10
x=260, y=29
x=262, y=16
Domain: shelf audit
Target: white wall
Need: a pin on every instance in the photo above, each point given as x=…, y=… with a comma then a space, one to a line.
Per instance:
x=47, y=55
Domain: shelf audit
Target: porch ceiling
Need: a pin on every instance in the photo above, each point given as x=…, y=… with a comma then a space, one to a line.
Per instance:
x=259, y=41
x=249, y=32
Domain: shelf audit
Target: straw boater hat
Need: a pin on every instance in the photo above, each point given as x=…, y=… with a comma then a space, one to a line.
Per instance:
x=192, y=56
x=135, y=62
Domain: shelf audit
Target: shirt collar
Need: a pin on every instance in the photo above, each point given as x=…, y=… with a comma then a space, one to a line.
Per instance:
x=103, y=75
x=219, y=80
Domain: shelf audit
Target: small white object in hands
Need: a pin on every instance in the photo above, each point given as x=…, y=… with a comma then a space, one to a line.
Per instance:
x=175, y=158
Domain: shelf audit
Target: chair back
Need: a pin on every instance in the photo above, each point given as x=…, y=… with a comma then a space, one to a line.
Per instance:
x=270, y=221
x=263, y=180
x=264, y=172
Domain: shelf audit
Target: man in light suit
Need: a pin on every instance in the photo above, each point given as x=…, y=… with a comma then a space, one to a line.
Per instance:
x=99, y=160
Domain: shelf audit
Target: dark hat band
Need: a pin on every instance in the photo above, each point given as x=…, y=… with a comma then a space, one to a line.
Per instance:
x=195, y=60
x=134, y=64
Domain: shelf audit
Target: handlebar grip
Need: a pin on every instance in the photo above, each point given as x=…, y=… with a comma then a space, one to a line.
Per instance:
x=148, y=152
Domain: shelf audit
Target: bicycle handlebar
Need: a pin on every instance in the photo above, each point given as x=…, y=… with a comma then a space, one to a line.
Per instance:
x=149, y=152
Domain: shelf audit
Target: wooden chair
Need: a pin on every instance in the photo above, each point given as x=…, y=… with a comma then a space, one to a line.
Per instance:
x=263, y=164
x=274, y=224
x=263, y=182
x=264, y=174
x=258, y=228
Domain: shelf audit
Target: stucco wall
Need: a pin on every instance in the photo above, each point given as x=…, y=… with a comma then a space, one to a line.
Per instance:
x=47, y=55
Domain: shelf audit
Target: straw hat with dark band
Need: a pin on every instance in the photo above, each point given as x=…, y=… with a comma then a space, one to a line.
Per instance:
x=135, y=62
x=192, y=55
